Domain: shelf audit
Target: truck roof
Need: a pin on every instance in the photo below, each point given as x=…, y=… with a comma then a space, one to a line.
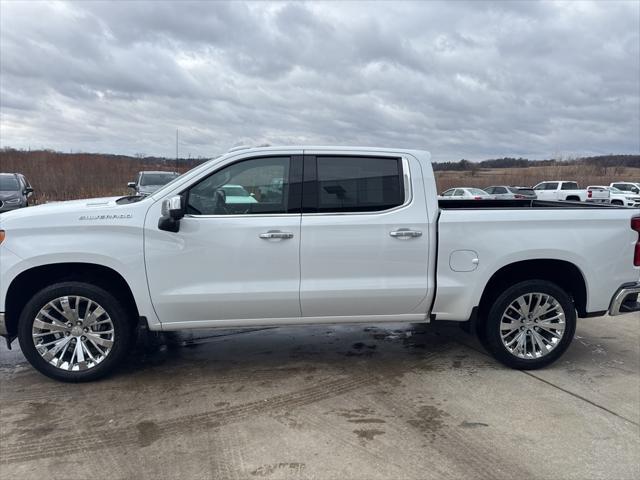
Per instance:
x=326, y=148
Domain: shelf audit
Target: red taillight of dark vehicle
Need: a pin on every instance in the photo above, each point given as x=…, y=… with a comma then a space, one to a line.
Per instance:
x=635, y=226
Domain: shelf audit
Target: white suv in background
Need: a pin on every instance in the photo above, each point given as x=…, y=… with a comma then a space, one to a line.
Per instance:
x=627, y=187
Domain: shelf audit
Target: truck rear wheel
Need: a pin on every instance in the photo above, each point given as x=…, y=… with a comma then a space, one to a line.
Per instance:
x=530, y=325
x=74, y=332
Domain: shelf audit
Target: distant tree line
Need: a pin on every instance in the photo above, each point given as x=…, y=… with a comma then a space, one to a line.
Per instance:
x=509, y=162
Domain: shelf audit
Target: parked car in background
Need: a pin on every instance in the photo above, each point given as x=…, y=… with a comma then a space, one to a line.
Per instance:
x=504, y=192
x=618, y=197
x=148, y=182
x=15, y=191
x=466, y=193
x=630, y=187
x=569, y=191
x=237, y=194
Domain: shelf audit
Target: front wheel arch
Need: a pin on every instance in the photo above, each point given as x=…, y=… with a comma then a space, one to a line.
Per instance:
x=28, y=283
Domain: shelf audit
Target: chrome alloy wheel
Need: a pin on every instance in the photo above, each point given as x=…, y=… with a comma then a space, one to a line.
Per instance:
x=532, y=325
x=73, y=333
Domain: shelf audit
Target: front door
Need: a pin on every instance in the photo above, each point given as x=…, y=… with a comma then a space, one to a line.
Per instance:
x=236, y=256
x=365, y=238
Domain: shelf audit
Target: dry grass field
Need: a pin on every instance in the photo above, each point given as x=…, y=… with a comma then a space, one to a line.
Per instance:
x=64, y=176
x=61, y=176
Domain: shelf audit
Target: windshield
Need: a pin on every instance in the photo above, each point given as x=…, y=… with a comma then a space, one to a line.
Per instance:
x=157, y=178
x=477, y=191
x=9, y=183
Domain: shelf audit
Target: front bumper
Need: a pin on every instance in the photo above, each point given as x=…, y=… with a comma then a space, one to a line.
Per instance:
x=626, y=299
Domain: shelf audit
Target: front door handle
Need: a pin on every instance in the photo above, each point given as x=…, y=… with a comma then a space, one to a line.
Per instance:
x=404, y=233
x=271, y=234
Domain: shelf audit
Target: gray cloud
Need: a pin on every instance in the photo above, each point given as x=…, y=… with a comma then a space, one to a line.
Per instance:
x=462, y=79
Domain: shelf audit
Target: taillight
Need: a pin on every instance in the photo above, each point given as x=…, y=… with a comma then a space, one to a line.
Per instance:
x=589, y=193
x=519, y=196
x=2, y=236
x=477, y=198
x=635, y=226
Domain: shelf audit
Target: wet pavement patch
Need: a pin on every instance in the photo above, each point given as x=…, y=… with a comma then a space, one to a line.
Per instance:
x=148, y=432
x=368, y=434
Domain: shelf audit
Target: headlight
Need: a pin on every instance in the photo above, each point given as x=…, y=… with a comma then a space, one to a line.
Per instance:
x=12, y=201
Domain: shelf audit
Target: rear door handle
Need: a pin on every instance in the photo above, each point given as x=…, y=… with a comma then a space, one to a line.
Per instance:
x=405, y=233
x=271, y=234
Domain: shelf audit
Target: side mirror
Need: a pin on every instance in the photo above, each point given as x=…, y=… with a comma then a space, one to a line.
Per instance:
x=172, y=212
x=635, y=190
x=131, y=185
x=28, y=191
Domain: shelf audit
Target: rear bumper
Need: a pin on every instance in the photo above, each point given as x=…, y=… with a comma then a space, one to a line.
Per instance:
x=626, y=299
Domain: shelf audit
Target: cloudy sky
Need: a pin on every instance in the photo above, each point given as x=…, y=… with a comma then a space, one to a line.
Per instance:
x=464, y=79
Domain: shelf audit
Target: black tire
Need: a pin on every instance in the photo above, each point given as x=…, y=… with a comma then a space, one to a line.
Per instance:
x=490, y=335
x=617, y=202
x=122, y=330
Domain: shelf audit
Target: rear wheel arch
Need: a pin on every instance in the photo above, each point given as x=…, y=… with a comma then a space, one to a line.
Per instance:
x=31, y=281
x=564, y=274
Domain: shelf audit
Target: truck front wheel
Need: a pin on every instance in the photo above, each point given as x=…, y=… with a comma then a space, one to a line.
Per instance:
x=74, y=332
x=530, y=325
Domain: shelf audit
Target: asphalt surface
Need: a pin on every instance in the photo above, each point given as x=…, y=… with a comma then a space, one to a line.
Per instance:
x=332, y=402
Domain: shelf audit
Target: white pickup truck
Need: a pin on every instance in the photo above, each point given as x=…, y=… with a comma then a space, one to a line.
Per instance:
x=345, y=235
x=569, y=191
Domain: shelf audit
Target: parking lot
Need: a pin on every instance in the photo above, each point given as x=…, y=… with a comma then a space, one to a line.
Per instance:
x=329, y=402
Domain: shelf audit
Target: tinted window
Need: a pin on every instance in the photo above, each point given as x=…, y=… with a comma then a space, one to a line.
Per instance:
x=500, y=190
x=255, y=186
x=356, y=184
x=569, y=186
x=448, y=193
x=551, y=186
x=9, y=183
x=458, y=193
x=491, y=190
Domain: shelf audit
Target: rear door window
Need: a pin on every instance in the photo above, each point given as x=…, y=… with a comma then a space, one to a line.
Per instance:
x=358, y=184
x=569, y=186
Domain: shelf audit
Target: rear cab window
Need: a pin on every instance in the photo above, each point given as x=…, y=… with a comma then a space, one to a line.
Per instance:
x=358, y=184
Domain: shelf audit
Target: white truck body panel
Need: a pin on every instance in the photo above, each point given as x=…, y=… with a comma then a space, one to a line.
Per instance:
x=590, y=239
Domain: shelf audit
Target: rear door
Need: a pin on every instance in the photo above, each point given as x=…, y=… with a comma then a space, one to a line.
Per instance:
x=547, y=190
x=501, y=193
x=364, y=247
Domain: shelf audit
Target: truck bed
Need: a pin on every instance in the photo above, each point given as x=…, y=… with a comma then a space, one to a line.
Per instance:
x=538, y=204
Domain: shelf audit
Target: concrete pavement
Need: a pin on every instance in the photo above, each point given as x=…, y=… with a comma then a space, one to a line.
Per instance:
x=332, y=402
